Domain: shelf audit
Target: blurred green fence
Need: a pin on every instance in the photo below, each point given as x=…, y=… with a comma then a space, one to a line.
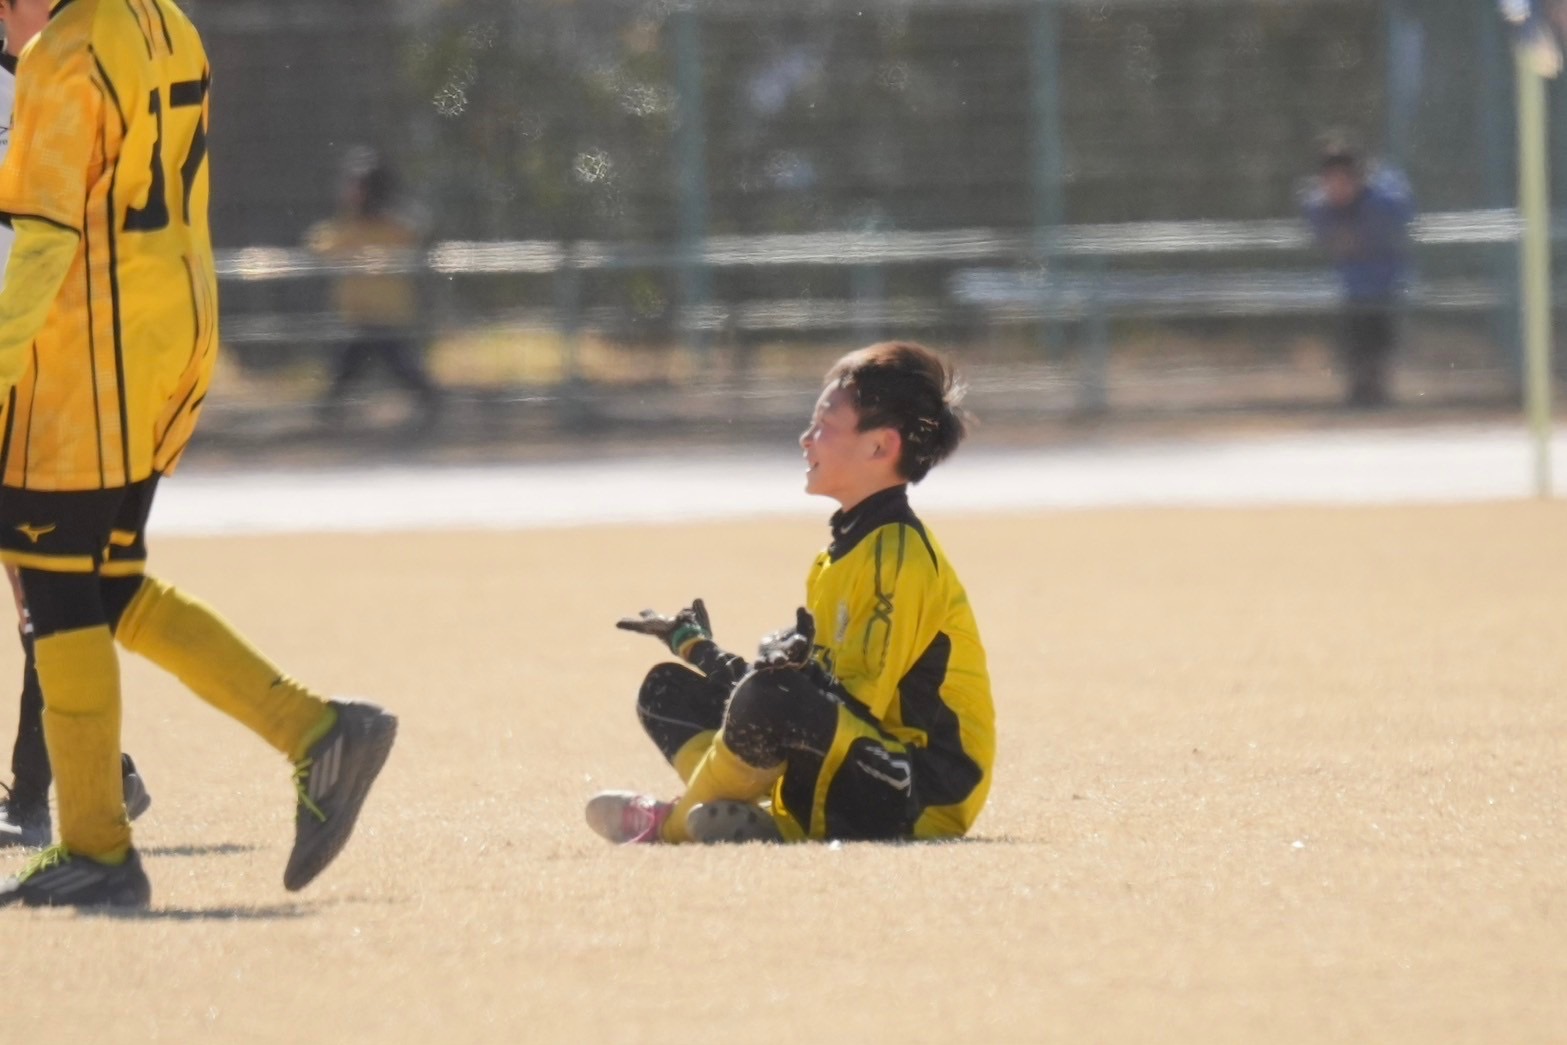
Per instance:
x=1092, y=197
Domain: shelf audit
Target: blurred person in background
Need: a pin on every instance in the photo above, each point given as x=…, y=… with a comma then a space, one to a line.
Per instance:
x=377, y=294
x=1360, y=218
x=24, y=810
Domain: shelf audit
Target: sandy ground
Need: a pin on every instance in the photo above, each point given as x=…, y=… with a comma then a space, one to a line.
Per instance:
x=1266, y=775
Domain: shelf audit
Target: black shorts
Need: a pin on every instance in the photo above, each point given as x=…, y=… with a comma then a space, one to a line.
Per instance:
x=77, y=531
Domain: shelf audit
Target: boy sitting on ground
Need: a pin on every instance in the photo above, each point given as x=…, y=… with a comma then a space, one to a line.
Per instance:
x=871, y=718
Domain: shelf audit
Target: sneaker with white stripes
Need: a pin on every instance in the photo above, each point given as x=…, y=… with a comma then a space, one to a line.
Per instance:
x=57, y=877
x=137, y=800
x=332, y=781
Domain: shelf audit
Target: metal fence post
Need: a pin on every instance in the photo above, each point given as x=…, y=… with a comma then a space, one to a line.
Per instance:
x=1495, y=117
x=691, y=176
x=576, y=411
x=1044, y=62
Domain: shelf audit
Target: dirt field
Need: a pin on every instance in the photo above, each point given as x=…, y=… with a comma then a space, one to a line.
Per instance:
x=1264, y=776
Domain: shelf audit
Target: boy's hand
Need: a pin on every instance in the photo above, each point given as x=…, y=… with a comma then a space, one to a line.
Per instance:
x=680, y=632
x=790, y=647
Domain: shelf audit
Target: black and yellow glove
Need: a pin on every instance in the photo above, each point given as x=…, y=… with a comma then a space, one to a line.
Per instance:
x=789, y=647
x=680, y=632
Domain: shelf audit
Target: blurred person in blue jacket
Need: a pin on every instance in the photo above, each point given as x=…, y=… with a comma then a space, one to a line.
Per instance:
x=1360, y=218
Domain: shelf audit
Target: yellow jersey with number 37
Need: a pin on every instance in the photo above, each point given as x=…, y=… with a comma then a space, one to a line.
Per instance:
x=110, y=140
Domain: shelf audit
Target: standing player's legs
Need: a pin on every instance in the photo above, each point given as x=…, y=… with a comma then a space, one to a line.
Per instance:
x=404, y=358
x=338, y=747
x=55, y=542
x=355, y=357
x=1368, y=348
x=81, y=600
x=24, y=812
x=841, y=775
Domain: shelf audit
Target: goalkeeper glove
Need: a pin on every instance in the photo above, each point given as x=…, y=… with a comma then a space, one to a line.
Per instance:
x=789, y=647
x=680, y=632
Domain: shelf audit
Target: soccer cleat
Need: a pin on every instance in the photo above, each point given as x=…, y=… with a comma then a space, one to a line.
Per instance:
x=137, y=800
x=627, y=818
x=332, y=781
x=727, y=820
x=24, y=824
x=58, y=878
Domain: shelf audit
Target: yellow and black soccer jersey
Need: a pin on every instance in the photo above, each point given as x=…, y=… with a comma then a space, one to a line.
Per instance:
x=894, y=628
x=110, y=141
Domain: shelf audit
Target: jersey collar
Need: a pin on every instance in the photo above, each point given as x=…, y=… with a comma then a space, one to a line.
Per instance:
x=56, y=8
x=851, y=525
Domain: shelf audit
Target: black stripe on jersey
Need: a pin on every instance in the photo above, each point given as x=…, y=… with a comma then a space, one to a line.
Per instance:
x=164, y=22
x=32, y=404
x=8, y=62
x=187, y=92
x=138, y=14
x=946, y=774
x=57, y=8
x=195, y=349
x=114, y=285
x=92, y=331
x=108, y=85
x=10, y=426
x=11, y=219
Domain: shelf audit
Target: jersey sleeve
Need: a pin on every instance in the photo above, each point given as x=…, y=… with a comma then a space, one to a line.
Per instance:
x=53, y=137
x=894, y=615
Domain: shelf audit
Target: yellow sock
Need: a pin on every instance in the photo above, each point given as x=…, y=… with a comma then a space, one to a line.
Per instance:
x=691, y=752
x=80, y=677
x=189, y=640
x=720, y=774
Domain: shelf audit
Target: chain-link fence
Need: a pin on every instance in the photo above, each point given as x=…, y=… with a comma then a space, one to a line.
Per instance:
x=638, y=211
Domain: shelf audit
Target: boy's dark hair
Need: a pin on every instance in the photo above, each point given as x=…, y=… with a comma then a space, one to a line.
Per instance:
x=909, y=388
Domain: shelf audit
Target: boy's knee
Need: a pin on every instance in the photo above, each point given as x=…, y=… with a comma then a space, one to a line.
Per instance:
x=775, y=711
x=661, y=687
x=768, y=698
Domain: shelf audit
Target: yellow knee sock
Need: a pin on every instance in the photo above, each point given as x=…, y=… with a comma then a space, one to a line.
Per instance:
x=189, y=640
x=80, y=677
x=691, y=753
x=720, y=774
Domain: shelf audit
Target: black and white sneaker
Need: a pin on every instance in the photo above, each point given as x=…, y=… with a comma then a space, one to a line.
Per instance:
x=58, y=878
x=24, y=824
x=333, y=780
x=727, y=820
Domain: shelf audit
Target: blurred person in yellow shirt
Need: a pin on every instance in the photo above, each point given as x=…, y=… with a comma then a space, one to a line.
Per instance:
x=375, y=289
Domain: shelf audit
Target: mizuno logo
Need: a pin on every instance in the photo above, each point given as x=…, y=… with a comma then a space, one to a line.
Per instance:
x=32, y=533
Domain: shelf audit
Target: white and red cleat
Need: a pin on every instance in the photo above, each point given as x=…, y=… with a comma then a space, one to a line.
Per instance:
x=627, y=818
